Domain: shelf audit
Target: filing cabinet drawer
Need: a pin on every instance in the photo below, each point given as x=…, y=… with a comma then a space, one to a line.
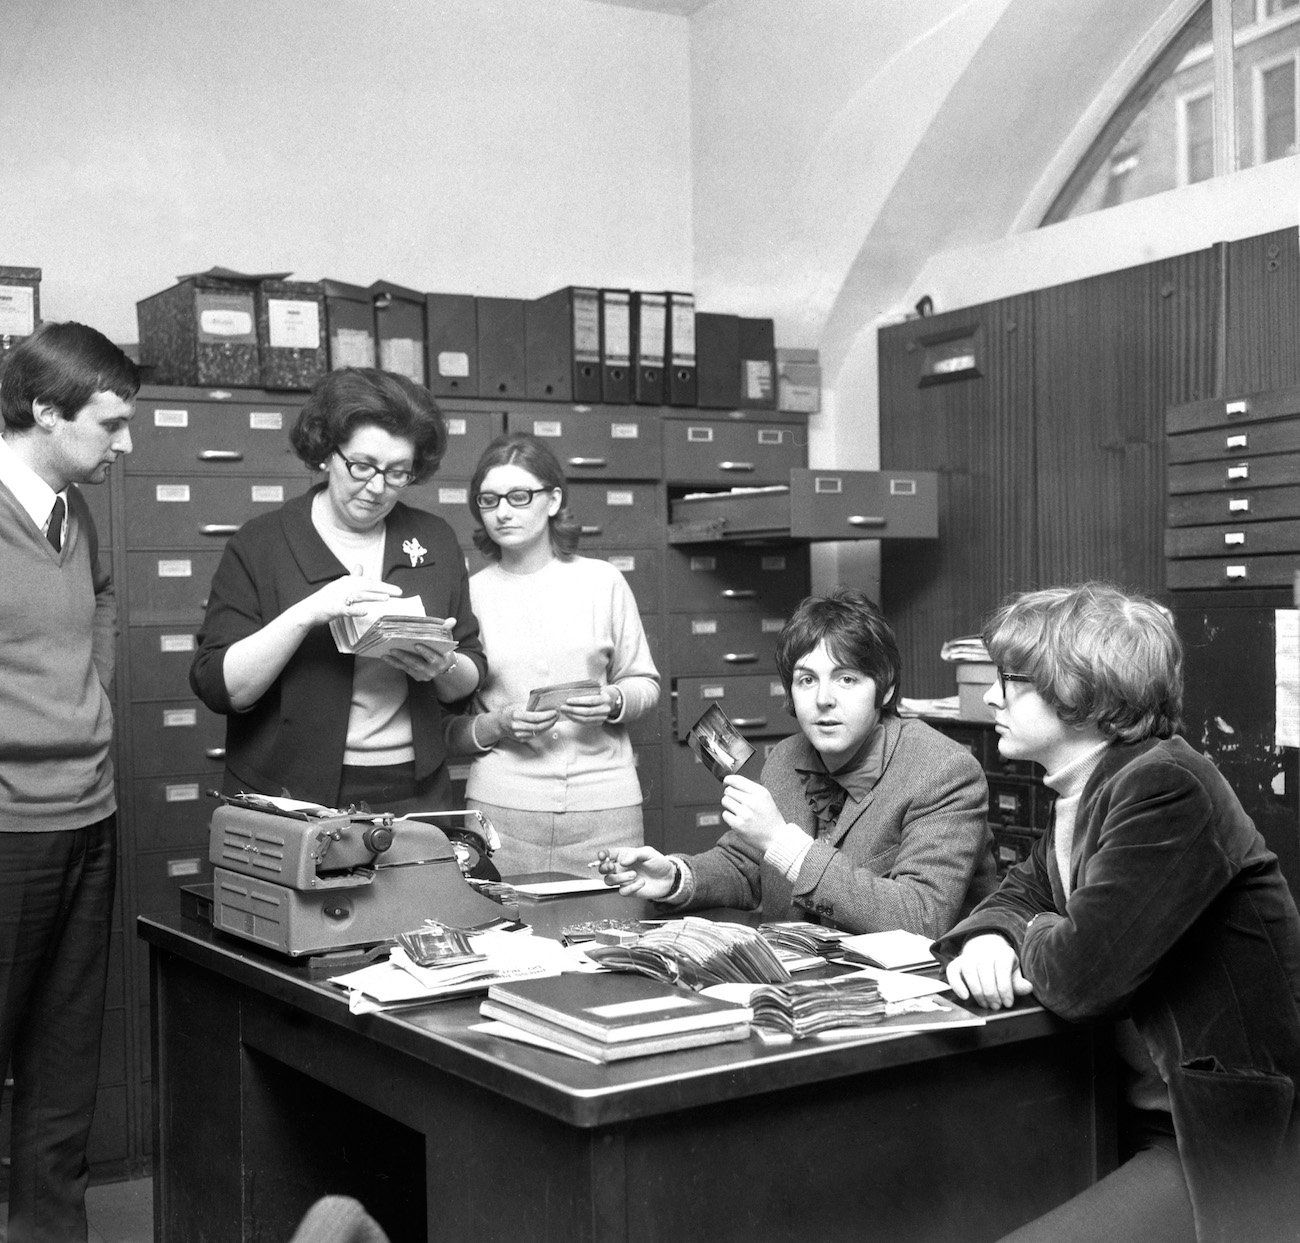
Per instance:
x=176, y=736
x=179, y=435
x=167, y=512
x=1011, y=802
x=715, y=643
x=1011, y=846
x=160, y=661
x=160, y=875
x=1233, y=541
x=1192, y=573
x=690, y=782
x=1243, y=505
x=691, y=830
x=1275, y=471
x=169, y=588
x=449, y=499
x=754, y=705
x=715, y=451
x=469, y=432
x=99, y=498
x=642, y=567
x=772, y=581
x=595, y=444
x=1232, y=411
x=1247, y=440
x=972, y=737
x=617, y=515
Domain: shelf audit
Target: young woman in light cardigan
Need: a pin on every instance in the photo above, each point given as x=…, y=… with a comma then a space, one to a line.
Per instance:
x=558, y=783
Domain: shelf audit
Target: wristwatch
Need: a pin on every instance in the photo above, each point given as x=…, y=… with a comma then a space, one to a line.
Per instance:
x=618, y=702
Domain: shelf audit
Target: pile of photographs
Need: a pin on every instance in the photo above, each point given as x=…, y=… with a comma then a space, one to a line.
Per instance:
x=697, y=952
x=811, y=1006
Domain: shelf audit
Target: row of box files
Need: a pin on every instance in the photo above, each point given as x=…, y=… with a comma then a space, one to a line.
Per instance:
x=1233, y=509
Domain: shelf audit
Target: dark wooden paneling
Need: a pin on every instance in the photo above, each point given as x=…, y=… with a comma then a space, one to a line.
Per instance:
x=978, y=433
x=1263, y=312
x=1111, y=353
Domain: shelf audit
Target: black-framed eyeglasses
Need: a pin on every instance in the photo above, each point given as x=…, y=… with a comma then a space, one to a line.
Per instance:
x=364, y=472
x=516, y=498
x=1004, y=677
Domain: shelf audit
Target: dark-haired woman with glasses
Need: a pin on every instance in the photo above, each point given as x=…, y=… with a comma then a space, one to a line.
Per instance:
x=303, y=718
x=557, y=782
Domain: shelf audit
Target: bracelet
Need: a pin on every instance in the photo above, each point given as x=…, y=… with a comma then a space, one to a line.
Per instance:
x=473, y=735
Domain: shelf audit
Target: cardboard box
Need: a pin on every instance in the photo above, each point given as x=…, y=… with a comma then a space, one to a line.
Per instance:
x=798, y=381
x=972, y=681
x=291, y=333
x=20, y=304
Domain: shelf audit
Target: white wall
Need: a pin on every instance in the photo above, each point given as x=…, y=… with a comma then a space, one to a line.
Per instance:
x=482, y=146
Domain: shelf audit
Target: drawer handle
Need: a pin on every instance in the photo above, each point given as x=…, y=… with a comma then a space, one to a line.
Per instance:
x=740, y=658
x=1234, y=571
x=749, y=722
x=590, y=530
x=867, y=520
x=739, y=593
x=220, y=455
x=215, y=753
x=588, y=461
x=736, y=466
x=218, y=528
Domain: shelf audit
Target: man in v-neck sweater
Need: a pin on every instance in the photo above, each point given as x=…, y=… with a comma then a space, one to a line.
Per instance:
x=67, y=396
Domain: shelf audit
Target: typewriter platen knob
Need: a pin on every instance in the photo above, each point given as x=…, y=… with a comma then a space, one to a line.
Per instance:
x=377, y=838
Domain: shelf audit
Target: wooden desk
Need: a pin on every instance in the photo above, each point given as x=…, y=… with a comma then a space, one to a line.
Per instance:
x=269, y=1093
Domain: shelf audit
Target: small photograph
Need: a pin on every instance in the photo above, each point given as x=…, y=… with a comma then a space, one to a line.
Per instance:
x=715, y=740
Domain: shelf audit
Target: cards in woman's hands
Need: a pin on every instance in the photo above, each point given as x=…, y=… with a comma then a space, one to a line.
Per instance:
x=722, y=750
x=553, y=698
x=398, y=622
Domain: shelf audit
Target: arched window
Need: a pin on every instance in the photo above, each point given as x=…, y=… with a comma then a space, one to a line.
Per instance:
x=1163, y=135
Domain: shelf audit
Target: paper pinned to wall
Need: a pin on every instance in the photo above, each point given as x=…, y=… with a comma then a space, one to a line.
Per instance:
x=1286, y=627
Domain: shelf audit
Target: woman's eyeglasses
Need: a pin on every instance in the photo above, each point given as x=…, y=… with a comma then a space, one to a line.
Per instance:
x=363, y=472
x=1004, y=677
x=516, y=498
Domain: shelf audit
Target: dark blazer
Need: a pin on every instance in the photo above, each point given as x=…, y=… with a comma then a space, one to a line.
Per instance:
x=915, y=853
x=1181, y=920
x=294, y=737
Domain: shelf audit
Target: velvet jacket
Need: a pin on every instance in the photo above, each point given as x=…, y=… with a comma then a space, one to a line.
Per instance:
x=1180, y=919
x=915, y=853
x=293, y=738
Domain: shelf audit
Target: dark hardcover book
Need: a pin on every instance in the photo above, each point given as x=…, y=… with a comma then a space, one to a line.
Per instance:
x=614, y=1050
x=616, y=1007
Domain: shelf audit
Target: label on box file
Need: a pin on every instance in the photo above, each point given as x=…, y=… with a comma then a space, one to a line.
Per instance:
x=293, y=325
x=454, y=364
x=352, y=347
x=17, y=310
x=226, y=318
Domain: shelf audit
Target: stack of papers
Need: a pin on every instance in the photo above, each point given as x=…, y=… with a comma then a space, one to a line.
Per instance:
x=697, y=952
x=553, y=698
x=968, y=650
x=392, y=625
x=811, y=1006
x=611, y=1017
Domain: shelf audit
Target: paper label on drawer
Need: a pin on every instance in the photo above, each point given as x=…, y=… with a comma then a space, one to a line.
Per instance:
x=626, y=564
x=619, y=498
x=352, y=347
x=293, y=325
x=173, y=493
x=1240, y=471
x=703, y=565
x=1240, y=441
x=699, y=435
x=267, y=493
x=17, y=310
x=171, y=418
x=704, y=625
x=551, y=429
x=453, y=496
x=713, y=692
x=773, y=565
x=706, y=819
x=770, y=436
x=772, y=625
x=180, y=718
x=902, y=487
x=776, y=690
x=454, y=364
x=188, y=793
x=266, y=420
x=1239, y=504
x=624, y=431
x=457, y=427
x=828, y=485
x=182, y=867
x=176, y=643
x=1234, y=537
x=1235, y=407
x=1007, y=802
x=175, y=569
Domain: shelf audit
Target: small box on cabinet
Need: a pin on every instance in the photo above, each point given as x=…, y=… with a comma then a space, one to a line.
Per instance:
x=20, y=304
x=798, y=381
x=973, y=680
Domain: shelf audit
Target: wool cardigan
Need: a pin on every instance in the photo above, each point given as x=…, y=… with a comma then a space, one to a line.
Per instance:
x=292, y=740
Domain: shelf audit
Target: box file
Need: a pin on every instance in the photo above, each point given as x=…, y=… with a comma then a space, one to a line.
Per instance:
x=798, y=381
x=680, y=347
x=502, y=371
x=399, y=329
x=291, y=333
x=562, y=345
x=616, y=345
x=20, y=304
x=757, y=364
x=649, y=342
x=451, y=340
x=717, y=356
x=349, y=325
